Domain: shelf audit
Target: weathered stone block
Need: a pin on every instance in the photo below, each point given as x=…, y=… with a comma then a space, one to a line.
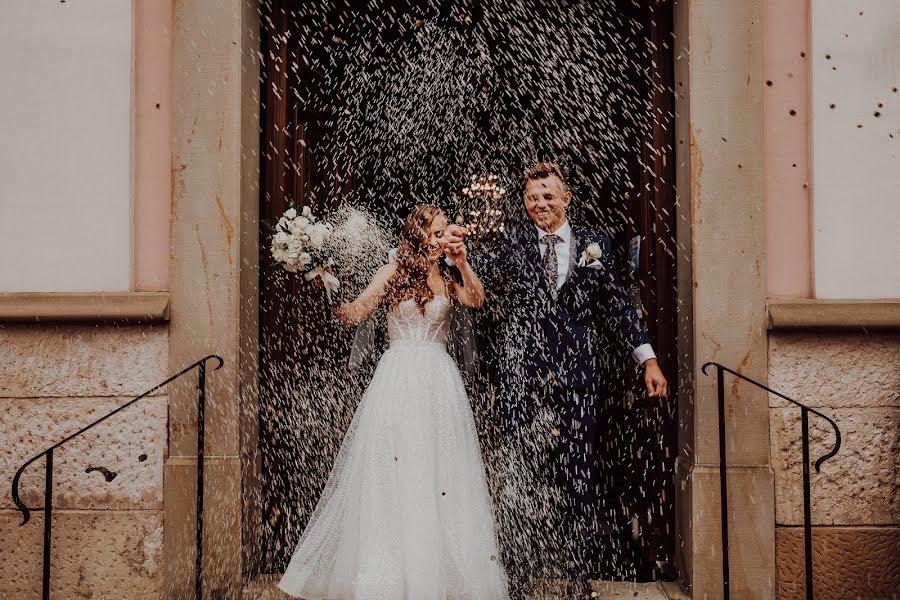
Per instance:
x=221, y=527
x=263, y=588
x=130, y=445
x=858, y=486
x=103, y=555
x=751, y=529
x=835, y=369
x=847, y=563
x=81, y=360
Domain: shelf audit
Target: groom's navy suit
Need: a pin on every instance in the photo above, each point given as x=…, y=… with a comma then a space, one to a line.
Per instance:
x=564, y=333
x=550, y=358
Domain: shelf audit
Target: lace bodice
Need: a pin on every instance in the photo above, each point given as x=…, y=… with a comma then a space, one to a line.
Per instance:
x=408, y=326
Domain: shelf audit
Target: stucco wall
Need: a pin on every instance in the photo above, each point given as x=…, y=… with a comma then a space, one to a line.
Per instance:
x=65, y=114
x=855, y=106
x=854, y=379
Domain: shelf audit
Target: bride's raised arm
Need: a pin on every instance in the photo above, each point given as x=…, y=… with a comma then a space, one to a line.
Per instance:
x=470, y=292
x=354, y=313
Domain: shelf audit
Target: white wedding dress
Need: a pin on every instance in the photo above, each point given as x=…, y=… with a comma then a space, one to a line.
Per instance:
x=405, y=514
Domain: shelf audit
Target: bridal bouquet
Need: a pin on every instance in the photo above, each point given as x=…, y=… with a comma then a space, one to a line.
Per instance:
x=299, y=244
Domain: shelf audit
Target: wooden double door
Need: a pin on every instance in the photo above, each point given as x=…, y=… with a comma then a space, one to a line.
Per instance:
x=323, y=62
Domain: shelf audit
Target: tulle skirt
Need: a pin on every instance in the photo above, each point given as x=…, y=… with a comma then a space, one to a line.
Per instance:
x=405, y=514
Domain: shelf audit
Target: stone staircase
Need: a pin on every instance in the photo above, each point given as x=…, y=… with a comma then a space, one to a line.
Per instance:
x=263, y=588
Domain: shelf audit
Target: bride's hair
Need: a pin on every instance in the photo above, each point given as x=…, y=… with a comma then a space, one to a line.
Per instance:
x=410, y=280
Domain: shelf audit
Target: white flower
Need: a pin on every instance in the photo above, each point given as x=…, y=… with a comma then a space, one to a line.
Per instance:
x=317, y=234
x=591, y=253
x=295, y=246
x=297, y=237
x=299, y=224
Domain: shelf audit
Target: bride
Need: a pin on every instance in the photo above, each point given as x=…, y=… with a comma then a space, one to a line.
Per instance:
x=405, y=514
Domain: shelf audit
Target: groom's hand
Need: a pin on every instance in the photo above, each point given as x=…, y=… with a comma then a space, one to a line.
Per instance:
x=454, y=234
x=455, y=243
x=657, y=387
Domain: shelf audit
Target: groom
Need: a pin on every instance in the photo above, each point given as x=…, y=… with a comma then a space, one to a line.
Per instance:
x=563, y=307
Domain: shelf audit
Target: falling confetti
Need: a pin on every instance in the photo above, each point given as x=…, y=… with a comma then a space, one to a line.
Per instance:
x=402, y=105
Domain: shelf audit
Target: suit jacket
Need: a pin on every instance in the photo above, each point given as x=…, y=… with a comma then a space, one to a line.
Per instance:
x=557, y=338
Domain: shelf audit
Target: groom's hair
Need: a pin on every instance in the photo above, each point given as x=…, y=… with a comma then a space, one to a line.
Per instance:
x=545, y=169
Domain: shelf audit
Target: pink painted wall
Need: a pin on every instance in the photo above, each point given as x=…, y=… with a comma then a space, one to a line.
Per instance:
x=786, y=147
x=152, y=144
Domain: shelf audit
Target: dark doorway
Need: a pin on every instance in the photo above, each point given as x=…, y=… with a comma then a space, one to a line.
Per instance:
x=328, y=137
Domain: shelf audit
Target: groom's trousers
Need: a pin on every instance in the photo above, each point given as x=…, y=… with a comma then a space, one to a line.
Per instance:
x=550, y=493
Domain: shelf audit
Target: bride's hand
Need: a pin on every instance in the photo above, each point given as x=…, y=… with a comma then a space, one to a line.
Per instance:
x=318, y=282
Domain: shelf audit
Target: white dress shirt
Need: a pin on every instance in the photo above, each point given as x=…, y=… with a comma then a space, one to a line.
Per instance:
x=641, y=353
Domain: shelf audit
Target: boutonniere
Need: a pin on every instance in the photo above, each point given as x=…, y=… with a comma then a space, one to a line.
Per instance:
x=591, y=257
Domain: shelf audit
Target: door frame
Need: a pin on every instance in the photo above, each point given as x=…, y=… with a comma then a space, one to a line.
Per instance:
x=721, y=288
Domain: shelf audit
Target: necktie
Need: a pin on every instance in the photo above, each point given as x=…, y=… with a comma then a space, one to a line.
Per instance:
x=551, y=261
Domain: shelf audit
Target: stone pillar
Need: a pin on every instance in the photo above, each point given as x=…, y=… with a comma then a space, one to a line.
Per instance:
x=214, y=141
x=723, y=299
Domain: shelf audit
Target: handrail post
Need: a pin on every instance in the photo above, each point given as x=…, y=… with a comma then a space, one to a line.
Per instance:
x=48, y=524
x=807, y=504
x=200, y=365
x=201, y=433
x=723, y=481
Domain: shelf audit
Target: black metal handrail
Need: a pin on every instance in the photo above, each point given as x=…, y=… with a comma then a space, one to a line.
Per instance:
x=200, y=365
x=723, y=473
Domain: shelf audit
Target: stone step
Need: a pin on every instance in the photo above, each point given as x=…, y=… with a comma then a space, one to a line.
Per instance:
x=264, y=588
